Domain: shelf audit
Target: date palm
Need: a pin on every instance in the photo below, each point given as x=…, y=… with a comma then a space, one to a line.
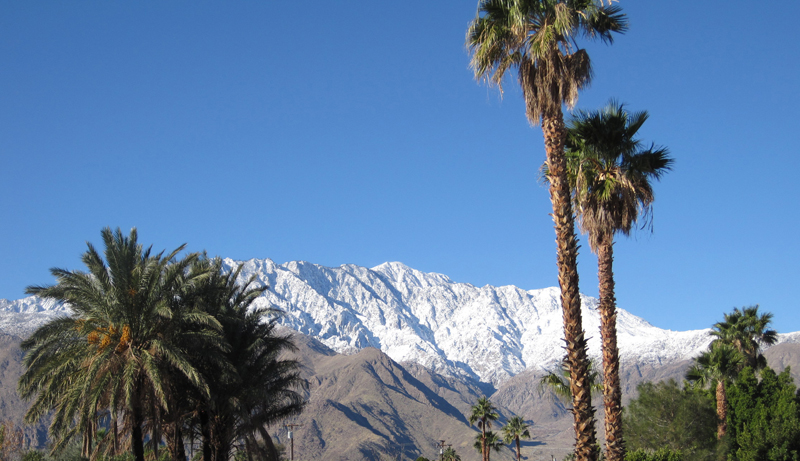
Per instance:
x=748, y=332
x=717, y=367
x=258, y=386
x=112, y=353
x=483, y=413
x=610, y=173
x=514, y=430
x=538, y=39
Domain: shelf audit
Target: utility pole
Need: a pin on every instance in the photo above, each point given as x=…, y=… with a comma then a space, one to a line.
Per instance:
x=441, y=450
x=289, y=427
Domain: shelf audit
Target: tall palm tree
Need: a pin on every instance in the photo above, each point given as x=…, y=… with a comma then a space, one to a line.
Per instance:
x=483, y=413
x=717, y=367
x=748, y=332
x=610, y=171
x=538, y=38
x=514, y=430
x=112, y=352
x=488, y=442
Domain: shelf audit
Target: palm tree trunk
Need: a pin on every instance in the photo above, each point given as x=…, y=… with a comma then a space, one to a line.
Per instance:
x=272, y=451
x=612, y=393
x=519, y=453
x=484, y=451
x=115, y=428
x=205, y=430
x=137, y=437
x=567, y=256
x=722, y=410
x=174, y=436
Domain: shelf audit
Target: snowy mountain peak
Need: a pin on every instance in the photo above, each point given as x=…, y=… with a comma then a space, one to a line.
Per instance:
x=490, y=333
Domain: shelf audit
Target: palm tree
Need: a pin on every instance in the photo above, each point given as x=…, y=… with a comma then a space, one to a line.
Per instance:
x=717, y=367
x=449, y=454
x=747, y=331
x=538, y=38
x=487, y=442
x=259, y=386
x=609, y=173
x=558, y=383
x=515, y=429
x=112, y=353
x=483, y=413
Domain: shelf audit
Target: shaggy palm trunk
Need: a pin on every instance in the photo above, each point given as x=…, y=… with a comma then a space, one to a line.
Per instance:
x=174, y=436
x=722, y=410
x=612, y=393
x=567, y=254
x=519, y=453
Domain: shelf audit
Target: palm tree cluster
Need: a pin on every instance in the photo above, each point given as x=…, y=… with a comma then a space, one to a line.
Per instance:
x=597, y=171
x=483, y=414
x=158, y=348
x=737, y=344
x=538, y=39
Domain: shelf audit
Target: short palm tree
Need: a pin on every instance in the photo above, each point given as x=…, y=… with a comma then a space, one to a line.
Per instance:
x=488, y=442
x=483, y=413
x=610, y=174
x=113, y=352
x=449, y=454
x=558, y=382
x=717, y=367
x=747, y=332
x=538, y=39
x=514, y=430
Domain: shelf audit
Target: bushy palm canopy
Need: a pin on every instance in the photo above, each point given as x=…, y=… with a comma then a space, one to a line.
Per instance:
x=492, y=441
x=449, y=454
x=747, y=332
x=259, y=386
x=610, y=171
x=538, y=39
x=114, y=350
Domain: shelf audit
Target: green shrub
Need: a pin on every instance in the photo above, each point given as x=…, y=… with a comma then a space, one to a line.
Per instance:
x=662, y=454
x=33, y=455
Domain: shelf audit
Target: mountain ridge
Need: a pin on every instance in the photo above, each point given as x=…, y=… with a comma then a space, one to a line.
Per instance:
x=486, y=333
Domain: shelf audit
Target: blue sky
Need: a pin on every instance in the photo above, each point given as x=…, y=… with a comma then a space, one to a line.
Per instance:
x=354, y=132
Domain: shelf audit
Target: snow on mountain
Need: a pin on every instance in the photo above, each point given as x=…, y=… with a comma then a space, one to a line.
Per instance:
x=490, y=333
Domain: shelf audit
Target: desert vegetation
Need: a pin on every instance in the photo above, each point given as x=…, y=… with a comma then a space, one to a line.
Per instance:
x=159, y=349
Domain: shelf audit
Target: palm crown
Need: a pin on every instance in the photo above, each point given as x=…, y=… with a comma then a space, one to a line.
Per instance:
x=538, y=37
x=610, y=171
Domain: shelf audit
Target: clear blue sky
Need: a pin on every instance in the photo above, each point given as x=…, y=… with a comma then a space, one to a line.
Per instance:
x=354, y=132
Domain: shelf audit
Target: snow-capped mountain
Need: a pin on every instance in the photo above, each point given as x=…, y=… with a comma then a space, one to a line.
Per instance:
x=491, y=333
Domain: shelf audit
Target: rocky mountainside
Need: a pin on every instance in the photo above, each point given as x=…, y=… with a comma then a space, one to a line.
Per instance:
x=486, y=333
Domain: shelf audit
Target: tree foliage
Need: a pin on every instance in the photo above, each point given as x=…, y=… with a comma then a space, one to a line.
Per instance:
x=152, y=341
x=666, y=416
x=764, y=417
x=662, y=454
